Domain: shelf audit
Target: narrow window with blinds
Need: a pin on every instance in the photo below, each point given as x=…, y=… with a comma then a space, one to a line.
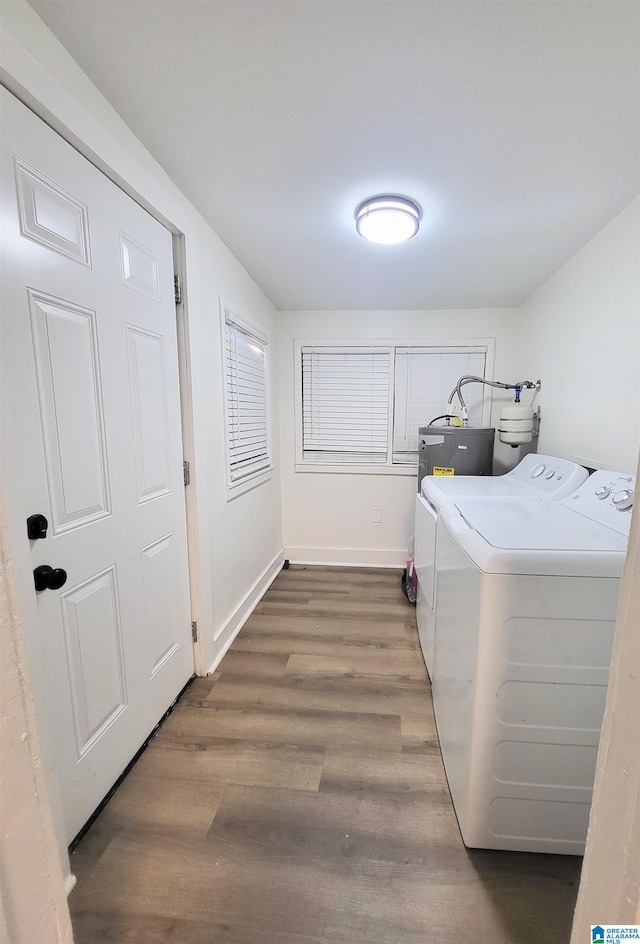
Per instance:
x=345, y=404
x=246, y=401
x=424, y=378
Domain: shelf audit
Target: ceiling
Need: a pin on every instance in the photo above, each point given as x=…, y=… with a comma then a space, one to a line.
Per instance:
x=514, y=124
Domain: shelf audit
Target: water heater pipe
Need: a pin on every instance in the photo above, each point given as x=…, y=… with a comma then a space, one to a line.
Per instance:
x=470, y=378
x=516, y=421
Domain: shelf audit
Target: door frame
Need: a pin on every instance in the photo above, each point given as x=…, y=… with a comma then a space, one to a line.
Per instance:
x=188, y=446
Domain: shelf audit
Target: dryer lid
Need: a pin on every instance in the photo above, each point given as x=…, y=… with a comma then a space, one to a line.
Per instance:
x=538, y=526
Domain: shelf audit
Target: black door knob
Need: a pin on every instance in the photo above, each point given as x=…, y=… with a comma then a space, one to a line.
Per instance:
x=37, y=527
x=49, y=578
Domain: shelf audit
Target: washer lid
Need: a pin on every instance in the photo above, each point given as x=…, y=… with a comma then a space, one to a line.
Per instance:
x=536, y=476
x=439, y=488
x=538, y=526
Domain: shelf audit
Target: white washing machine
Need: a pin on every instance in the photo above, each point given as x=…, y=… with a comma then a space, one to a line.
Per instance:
x=546, y=478
x=527, y=600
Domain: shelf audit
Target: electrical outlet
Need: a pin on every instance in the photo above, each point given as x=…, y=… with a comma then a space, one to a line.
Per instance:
x=376, y=515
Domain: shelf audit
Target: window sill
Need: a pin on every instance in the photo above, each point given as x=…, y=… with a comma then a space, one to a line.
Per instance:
x=373, y=469
x=251, y=481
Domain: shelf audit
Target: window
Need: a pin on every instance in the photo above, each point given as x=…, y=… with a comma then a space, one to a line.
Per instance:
x=246, y=404
x=424, y=378
x=333, y=378
x=361, y=405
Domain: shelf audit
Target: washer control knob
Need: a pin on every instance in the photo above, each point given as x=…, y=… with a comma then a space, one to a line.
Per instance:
x=550, y=474
x=537, y=470
x=602, y=492
x=623, y=500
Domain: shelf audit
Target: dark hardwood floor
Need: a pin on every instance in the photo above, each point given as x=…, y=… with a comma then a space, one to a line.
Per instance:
x=298, y=796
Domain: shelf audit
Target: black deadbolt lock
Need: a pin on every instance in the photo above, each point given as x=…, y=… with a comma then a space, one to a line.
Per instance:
x=48, y=578
x=37, y=527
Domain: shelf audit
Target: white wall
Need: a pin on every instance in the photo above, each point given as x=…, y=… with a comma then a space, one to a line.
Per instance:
x=235, y=545
x=326, y=516
x=580, y=333
x=33, y=904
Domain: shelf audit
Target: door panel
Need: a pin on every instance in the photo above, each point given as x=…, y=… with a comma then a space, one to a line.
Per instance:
x=139, y=268
x=149, y=411
x=50, y=216
x=70, y=405
x=95, y=659
x=157, y=562
x=91, y=438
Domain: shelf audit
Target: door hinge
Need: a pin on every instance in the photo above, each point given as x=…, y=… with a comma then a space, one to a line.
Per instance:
x=177, y=284
x=186, y=473
x=194, y=631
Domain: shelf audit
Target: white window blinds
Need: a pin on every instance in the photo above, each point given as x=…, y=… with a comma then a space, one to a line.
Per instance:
x=246, y=401
x=424, y=378
x=345, y=404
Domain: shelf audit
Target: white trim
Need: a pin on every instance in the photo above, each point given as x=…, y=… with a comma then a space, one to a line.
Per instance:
x=391, y=402
x=346, y=556
x=249, y=482
x=231, y=316
x=375, y=468
x=228, y=632
x=70, y=883
x=193, y=495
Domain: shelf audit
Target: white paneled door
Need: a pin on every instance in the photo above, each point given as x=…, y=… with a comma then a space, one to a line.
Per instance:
x=91, y=440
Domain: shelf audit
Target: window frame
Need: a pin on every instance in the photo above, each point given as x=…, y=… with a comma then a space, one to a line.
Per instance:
x=388, y=467
x=229, y=316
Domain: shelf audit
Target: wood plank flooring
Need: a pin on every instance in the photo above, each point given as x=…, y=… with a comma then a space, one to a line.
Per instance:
x=298, y=796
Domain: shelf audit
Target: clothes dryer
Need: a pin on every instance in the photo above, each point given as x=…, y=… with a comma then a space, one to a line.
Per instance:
x=541, y=477
x=527, y=599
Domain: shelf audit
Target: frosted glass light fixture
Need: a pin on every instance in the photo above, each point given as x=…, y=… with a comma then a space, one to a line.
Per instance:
x=388, y=219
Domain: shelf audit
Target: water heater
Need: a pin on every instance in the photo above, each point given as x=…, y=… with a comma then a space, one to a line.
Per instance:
x=455, y=450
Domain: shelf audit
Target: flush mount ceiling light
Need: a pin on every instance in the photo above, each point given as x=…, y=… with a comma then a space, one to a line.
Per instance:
x=388, y=219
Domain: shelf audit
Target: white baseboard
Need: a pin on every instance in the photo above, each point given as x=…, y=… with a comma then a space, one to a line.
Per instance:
x=235, y=623
x=345, y=556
